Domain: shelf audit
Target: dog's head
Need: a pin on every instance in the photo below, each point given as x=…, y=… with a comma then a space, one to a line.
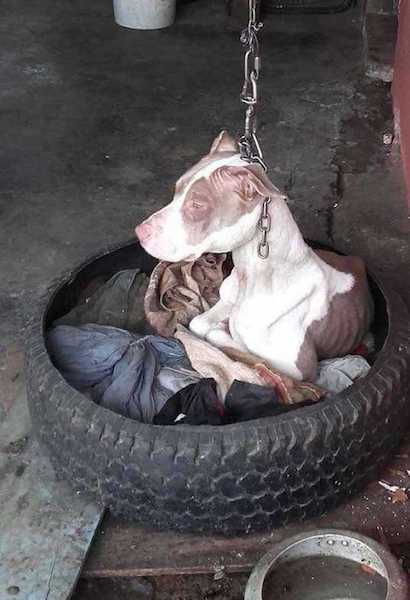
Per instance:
x=215, y=208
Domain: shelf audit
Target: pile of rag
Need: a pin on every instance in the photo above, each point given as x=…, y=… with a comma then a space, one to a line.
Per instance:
x=159, y=372
x=180, y=291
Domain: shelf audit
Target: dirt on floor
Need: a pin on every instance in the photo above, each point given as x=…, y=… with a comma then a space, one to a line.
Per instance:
x=192, y=587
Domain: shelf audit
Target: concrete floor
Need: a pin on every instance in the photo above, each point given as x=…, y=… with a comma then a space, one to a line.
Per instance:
x=98, y=121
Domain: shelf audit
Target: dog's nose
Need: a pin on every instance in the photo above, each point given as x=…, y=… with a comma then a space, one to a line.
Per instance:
x=144, y=232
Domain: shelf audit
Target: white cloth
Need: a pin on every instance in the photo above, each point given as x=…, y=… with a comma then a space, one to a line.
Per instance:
x=336, y=374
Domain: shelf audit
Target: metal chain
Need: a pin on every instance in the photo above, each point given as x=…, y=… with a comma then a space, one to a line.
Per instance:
x=264, y=225
x=249, y=145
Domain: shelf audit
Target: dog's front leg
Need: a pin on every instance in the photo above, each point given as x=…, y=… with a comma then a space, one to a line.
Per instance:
x=213, y=326
x=221, y=337
x=213, y=318
x=217, y=317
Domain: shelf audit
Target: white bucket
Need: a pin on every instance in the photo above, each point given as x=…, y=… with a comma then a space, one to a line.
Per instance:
x=144, y=14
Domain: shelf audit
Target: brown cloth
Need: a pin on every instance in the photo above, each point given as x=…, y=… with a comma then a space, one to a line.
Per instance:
x=227, y=364
x=178, y=292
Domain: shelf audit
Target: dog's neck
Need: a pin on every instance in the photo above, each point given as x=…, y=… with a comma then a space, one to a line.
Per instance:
x=286, y=244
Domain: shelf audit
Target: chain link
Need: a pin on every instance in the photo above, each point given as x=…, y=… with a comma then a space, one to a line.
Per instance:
x=249, y=145
x=264, y=226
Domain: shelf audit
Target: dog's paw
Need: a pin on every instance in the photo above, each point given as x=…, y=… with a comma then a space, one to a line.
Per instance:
x=219, y=337
x=200, y=326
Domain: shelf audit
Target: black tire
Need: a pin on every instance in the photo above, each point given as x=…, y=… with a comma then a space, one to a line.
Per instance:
x=233, y=479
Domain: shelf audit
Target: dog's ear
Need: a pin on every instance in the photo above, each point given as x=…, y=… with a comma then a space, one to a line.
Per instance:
x=223, y=143
x=260, y=184
x=249, y=182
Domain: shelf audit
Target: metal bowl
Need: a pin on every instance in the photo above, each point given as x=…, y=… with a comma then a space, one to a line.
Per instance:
x=327, y=564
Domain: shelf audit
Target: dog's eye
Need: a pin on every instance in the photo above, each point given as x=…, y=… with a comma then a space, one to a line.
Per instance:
x=197, y=203
x=196, y=208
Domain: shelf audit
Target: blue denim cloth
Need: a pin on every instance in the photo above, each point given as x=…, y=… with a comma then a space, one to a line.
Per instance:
x=128, y=373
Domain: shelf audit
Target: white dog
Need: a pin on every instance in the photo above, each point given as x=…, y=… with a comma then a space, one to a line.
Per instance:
x=292, y=308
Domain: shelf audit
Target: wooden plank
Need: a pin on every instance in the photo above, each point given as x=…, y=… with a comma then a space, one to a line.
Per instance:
x=125, y=550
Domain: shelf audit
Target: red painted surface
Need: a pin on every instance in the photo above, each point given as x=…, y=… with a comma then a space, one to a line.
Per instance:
x=401, y=86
